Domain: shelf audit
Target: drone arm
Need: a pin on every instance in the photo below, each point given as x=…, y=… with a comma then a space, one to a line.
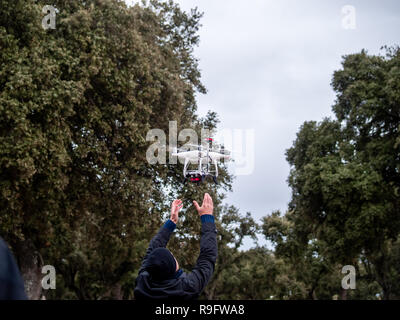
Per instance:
x=185, y=166
x=216, y=167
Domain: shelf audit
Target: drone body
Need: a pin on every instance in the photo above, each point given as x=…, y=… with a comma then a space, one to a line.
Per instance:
x=206, y=158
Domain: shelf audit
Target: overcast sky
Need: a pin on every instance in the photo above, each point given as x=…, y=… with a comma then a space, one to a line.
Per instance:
x=268, y=65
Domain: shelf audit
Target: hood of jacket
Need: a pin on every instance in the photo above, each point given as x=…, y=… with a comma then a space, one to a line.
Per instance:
x=148, y=288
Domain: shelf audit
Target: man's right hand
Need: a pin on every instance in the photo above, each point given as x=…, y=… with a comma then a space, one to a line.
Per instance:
x=207, y=207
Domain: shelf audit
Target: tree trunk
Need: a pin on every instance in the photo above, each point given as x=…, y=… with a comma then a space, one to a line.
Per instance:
x=115, y=293
x=30, y=264
x=386, y=291
x=343, y=294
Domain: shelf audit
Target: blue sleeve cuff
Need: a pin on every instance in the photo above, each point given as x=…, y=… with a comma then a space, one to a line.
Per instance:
x=207, y=218
x=170, y=225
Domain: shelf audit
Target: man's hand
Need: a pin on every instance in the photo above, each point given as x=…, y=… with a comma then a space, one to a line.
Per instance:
x=207, y=207
x=175, y=207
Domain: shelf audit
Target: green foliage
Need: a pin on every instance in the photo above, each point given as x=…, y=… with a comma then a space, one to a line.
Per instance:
x=75, y=106
x=345, y=181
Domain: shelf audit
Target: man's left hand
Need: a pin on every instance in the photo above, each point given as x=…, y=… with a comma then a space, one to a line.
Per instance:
x=175, y=207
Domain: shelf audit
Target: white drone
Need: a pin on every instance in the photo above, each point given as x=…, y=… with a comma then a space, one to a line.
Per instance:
x=204, y=156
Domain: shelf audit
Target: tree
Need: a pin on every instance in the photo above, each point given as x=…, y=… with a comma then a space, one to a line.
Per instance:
x=345, y=173
x=75, y=106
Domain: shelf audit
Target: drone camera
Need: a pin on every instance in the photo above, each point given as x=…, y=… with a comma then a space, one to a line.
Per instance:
x=195, y=176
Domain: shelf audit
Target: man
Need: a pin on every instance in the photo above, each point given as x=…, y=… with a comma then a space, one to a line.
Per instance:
x=160, y=276
x=11, y=283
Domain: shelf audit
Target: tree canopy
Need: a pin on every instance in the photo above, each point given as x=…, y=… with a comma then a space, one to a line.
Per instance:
x=76, y=103
x=345, y=180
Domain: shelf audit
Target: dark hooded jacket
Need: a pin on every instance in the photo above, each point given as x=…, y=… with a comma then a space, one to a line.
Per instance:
x=184, y=286
x=11, y=283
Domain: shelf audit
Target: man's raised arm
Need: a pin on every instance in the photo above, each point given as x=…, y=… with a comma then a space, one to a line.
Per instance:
x=162, y=237
x=202, y=272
